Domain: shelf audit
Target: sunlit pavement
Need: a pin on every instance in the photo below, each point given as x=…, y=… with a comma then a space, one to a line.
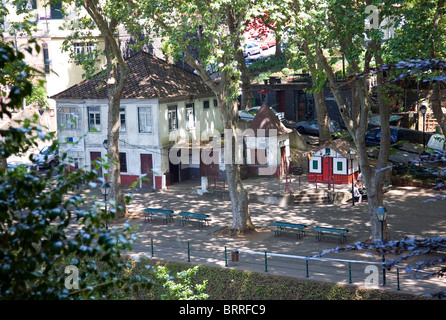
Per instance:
x=407, y=216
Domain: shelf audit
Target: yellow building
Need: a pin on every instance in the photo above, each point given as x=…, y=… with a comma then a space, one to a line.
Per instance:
x=58, y=69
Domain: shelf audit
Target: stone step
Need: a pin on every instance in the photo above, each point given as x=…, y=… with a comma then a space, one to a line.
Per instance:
x=310, y=197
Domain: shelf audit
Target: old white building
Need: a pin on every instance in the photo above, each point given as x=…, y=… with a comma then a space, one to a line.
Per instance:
x=160, y=103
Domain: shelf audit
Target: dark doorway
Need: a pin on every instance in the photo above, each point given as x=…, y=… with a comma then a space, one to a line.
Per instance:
x=93, y=157
x=211, y=167
x=327, y=169
x=174, y=172
x=281, y=99
x=146, y=168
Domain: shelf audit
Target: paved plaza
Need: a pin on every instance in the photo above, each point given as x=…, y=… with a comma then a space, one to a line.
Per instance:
x=408, y=216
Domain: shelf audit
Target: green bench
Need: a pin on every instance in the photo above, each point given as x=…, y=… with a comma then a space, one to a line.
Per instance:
x=322, y=232
x=166, y=215
x=386, y=186
x=198, y=218
x=286, y=227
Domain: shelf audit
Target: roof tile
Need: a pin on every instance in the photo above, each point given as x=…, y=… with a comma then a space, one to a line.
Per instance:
x=149, y=77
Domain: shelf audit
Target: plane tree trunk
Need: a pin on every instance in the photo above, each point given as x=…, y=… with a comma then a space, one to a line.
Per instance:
x=116, y=71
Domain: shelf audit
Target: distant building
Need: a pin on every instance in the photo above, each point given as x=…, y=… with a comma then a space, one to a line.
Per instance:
x=268, y=150
x=292, y=98
x=160, y=105
x=330, y=163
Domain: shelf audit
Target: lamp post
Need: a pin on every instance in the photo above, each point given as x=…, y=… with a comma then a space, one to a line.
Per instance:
x=423, y=110
x=105, y=190
x=381, y=213
x=105, y=144
x=351, y=155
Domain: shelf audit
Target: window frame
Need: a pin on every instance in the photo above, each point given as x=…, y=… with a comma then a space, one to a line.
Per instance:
x=97, y=113
x=90, y=47
x=190, y=125
x=68, y=120
x=30, y=5
x=172, y=110
x=122, y=160
x=344, y=166
x=46, y=58
x=53, y=11
x=312, y=169
x=140, y=122
x=78, y=48
x=122, y=115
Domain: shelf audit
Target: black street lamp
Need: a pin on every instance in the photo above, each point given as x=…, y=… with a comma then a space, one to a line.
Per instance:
x=423, y=110
x=105, y=190
x=105, y=144
x=381, y=213
x=351, y=156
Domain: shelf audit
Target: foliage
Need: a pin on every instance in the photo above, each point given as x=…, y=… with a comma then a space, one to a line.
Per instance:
x=182, y=289
x=415, y=35
x=271, y=63
x=37, y=210
x=404, y=249
x=43, y=220
x=198, y=32
x=53, y=242
x=13, y=77
x=232, y=284
x=38, y=97
x=208, y=34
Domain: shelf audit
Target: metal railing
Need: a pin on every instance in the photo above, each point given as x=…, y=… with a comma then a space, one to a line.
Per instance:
x=363, y=273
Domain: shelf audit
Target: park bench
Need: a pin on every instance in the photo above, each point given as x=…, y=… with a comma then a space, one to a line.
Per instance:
x=322, y=232
x=386, y=186
x=286, y=227
x=198, y=218
x=166, y=215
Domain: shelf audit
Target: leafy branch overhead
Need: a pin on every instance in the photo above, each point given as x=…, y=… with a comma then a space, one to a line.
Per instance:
x=403, y=249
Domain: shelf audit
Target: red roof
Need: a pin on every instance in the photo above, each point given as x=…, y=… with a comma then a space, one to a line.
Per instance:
x=149, y=77
x=267, y=120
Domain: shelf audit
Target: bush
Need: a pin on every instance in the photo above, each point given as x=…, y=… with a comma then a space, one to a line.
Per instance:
x=270, y=63
x=232, y=284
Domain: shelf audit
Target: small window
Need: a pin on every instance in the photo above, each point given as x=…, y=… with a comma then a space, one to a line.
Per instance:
x=56, y=11
x=339, y=166
x=68, y=118
x=123, y=162
x=206, y=104
x=94, y=119
x=122, y=125
x=29, y=5
x=327, y=151
x=215, y=103
x=78, y=48
x=90, y=47
x=76, y=162
x=81, y=48
x=190, y=116
x=145, y=119
x=46, y=58
x=315, y=165
x=172, y=118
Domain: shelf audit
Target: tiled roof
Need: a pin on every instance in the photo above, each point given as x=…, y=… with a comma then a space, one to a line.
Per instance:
x=341, y=146
x=267, y=120
x=149, y=77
